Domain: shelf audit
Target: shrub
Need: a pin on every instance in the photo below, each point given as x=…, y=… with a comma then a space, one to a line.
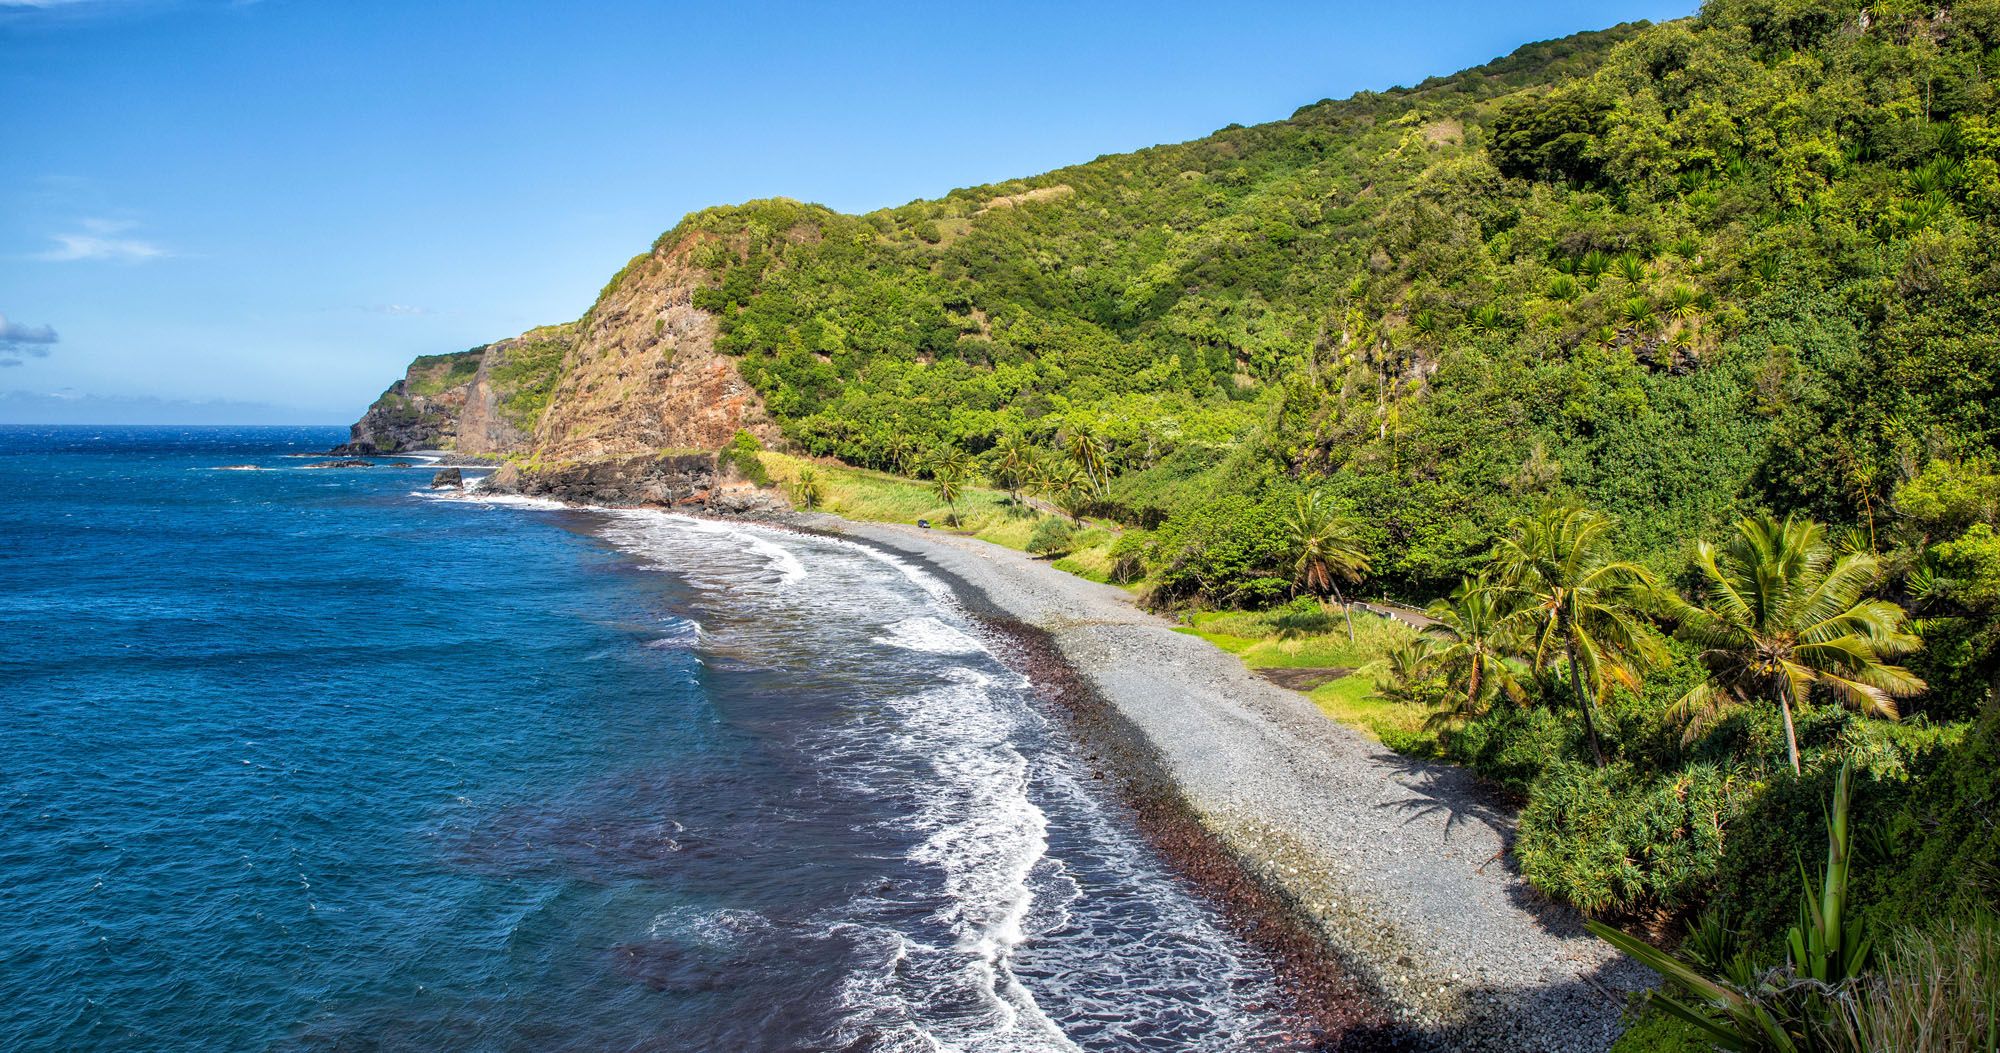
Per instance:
x=1617, y=841
x=1510, y=746
x=1223, y=551
x=1304, y=614
x=741, y=454
x=1053, y=536
x=1128, y=556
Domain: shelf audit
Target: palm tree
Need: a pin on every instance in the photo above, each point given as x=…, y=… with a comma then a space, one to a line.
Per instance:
x=1471, y=645
x=1325, y=549
x=1064, y=484
x=1410, y=676
x=1574, y=602
x=898, y=453
x=806, y=489
x=949, y=468
x=1088, y=451
x=1013, y=462
x=1782, y=614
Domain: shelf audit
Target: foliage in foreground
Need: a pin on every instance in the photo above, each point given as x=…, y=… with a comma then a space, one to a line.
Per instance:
x=1937, y=988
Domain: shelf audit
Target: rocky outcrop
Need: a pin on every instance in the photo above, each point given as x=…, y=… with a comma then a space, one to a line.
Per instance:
x=447, y=478
x=639, y=373
x=644, y=374
x=690, y=481
x=420, y=411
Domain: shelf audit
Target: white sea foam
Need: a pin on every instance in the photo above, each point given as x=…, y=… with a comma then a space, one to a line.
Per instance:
x=790, y=570
x=536, y=504
x=991, y=942
x=930, y=636
x=664, y=536
x=714, y=928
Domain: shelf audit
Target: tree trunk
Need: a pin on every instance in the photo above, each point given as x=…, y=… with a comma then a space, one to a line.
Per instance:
x=1791, y=737
x=1345, y=609
x=1583, y=702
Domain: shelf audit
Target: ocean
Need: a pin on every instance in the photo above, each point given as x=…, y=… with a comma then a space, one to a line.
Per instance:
x=312, y=758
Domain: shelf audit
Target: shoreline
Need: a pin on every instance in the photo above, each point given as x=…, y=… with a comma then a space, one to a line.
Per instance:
x=1378, y=883
x=1331, y=1008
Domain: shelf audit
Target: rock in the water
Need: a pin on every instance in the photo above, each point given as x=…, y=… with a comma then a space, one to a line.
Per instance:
x=342, y=464
x=447, y=478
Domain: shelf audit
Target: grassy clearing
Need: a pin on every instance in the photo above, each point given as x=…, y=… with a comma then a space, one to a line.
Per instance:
x=1300, y=636
x=1395, y=724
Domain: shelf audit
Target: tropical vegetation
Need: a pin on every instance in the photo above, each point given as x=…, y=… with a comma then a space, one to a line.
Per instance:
x=1658, y=363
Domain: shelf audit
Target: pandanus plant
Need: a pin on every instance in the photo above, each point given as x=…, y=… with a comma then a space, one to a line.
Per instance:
x=1795, y=1008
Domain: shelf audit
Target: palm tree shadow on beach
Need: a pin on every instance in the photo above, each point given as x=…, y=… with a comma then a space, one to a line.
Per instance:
x=1437, y=790
x=1460, y=798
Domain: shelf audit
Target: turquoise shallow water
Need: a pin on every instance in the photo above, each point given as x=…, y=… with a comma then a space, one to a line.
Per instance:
x=307, y=758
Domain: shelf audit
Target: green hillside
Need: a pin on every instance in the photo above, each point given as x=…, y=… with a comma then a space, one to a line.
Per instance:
x=1514, y=342
x=1673, y=271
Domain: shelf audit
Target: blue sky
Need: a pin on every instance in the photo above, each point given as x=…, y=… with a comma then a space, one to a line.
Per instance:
x=237, y=211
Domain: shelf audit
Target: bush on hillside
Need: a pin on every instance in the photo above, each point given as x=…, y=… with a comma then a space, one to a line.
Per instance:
x=1128, y=556
x=1053, y=536
x=741, y=455
x=1616, y=841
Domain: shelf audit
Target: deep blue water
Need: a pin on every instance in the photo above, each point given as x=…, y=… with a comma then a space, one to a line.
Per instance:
x=310, y=759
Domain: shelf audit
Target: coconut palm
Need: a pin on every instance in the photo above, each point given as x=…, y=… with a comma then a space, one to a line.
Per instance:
x=949, y=468
x=899, y=453
x=807, y=493
x=1013, y=463
x=1472, y=646
x=1409, y=675
x=1783, y=616
x=1063, y=482
x=1325, y=550
x=1090, y=455
x=1572, y=602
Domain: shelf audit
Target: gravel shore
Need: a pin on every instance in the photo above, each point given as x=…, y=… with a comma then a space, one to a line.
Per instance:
x=1399, y=864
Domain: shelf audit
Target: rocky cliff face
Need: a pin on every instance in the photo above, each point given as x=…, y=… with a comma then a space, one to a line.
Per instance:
x=645, y=375
x=638, y=374
x=420, y=411
x=510, y=390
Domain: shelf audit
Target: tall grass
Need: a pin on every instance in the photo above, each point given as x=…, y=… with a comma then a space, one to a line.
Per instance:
x=1936, y=992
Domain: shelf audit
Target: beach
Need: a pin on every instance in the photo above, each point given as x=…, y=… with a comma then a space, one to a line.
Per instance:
x=1398, y=864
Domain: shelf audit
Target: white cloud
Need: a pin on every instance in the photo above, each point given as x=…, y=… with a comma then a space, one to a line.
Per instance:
x=18, y=341
x=401, y=309
x=102, y=239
